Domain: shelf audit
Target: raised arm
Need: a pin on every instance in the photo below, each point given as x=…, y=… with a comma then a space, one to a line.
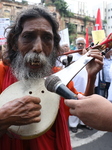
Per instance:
x=93, y=67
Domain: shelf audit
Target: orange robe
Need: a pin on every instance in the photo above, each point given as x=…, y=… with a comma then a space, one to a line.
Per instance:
x=2, y=73
x=56, y=138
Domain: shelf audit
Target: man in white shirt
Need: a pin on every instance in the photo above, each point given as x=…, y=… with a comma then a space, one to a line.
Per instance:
x=80, y=82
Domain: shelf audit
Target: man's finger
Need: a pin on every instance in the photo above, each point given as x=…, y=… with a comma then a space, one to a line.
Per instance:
x=70, y=103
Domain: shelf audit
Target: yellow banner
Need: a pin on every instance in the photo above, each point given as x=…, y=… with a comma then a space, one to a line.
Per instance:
x=98, y=36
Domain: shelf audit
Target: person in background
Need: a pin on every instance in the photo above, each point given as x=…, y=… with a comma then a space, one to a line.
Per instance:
x=103, y=78
x=64, y=48
x=81, y=45
x=72, y=47
x=106, y=68
x=80, y=83
x=110, y=75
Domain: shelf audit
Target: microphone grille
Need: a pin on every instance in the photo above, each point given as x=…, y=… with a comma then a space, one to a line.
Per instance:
x=51, y=82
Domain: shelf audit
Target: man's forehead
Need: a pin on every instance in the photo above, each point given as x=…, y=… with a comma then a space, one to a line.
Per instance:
x=80, y=41
x=37, y=23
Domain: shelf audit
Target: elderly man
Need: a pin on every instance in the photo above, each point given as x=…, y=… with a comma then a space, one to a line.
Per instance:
x=32, y=49
x=80, y=83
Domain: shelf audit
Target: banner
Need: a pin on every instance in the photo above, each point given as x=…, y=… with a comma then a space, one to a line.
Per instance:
x=98, y=36
x=4, y=23
x=64, y=34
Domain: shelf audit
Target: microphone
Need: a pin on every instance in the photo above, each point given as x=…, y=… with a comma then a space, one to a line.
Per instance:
x=54, y=84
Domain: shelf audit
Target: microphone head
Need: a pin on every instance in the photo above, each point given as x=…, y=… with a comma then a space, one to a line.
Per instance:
x=52, y=82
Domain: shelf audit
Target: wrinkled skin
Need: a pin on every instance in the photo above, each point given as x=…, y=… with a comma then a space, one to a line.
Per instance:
x=96, y=64
x=93, y=67
x=37, y=37
x=81, y=45
x=21, y=111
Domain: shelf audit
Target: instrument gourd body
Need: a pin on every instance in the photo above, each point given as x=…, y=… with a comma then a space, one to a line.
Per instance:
x=50, y=105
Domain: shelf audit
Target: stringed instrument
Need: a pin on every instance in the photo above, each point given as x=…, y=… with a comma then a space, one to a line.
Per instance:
x=49, y=101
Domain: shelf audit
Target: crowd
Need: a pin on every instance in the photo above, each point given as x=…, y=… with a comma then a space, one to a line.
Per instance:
x=32, y=51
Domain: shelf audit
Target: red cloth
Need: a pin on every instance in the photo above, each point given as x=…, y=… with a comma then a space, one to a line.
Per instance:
x=98, y=23
x=57, y=138
x=2, y=73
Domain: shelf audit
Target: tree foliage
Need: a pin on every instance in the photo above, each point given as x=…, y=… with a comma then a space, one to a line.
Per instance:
x=62, y=7
x=72, y=32
x=24, y=2
x=71, y=28
x=86, y=18
x=72, y=37
x=104, y=21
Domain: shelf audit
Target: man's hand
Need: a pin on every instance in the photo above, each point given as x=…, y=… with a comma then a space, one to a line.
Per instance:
x=21, y=111
x=95, y=65
x=95, y=111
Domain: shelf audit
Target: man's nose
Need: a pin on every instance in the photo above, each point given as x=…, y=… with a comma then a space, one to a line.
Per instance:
x=37, y=46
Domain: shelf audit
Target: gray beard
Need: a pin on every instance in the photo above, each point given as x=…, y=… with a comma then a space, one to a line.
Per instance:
x=22, y=72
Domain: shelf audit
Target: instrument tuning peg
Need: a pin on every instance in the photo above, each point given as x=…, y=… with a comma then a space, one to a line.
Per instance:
x=103, y=53
x=107, y=49
x=67, y=62
x=69, y=58
x=92, y=44
x=97, y=43
x=64, y=62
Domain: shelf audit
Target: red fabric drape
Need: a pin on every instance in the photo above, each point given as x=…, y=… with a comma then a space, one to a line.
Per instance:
x=57, y=138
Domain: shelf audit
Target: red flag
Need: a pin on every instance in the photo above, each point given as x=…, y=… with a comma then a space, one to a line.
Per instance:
x=98, y=23
x=87, y=38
